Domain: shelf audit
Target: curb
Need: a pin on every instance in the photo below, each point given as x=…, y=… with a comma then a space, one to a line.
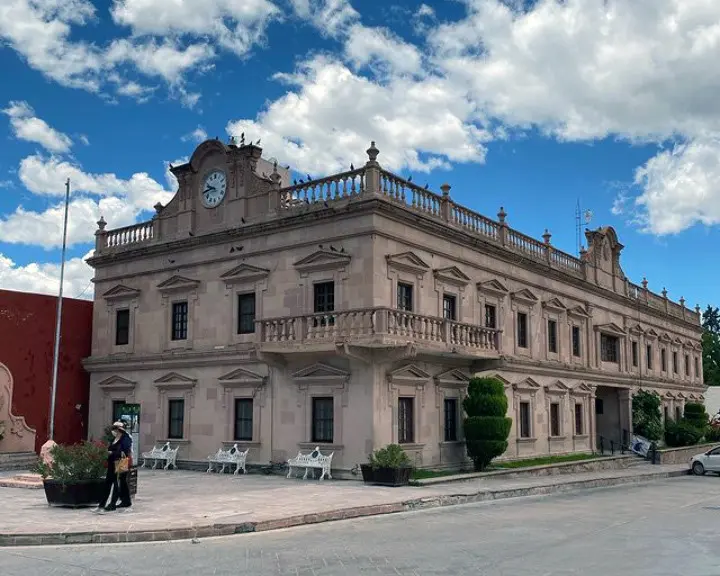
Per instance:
x=220, y=529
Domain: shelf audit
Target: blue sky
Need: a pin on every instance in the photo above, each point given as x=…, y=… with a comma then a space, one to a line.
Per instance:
x=528, y=105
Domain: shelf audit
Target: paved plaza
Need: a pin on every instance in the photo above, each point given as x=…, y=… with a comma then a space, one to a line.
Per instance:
x=666, y=528
x=182, y=504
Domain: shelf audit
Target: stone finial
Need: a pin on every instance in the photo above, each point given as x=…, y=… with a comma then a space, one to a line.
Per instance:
x=547, y=236
x=445, y=189
x=158, y=208
x=502, y=215
x=682, y=301
x=372, y=152
x=275, y=176
x=101, y=224
x=664, y=293
x=232, y=141
x=644, y=283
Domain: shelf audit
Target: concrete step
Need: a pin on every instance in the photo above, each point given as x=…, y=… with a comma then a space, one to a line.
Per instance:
x=17, y=460
x=28, y=481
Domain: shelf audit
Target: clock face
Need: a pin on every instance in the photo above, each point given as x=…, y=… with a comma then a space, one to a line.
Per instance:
x=214, y=188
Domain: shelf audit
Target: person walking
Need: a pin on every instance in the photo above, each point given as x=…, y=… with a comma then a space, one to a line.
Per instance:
x=118, y=470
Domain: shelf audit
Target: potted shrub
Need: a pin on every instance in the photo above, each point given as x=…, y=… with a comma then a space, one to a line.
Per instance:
x=389, y=466
x=75, y=475
x=486, y=427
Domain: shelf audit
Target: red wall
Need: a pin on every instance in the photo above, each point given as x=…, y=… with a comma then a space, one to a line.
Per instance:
x=27, y=335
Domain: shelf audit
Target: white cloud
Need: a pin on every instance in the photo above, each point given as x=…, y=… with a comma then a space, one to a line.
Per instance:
x=331, y=17
x=198, y=135
x=44, y=278
x=366, y=46
x=27, y=126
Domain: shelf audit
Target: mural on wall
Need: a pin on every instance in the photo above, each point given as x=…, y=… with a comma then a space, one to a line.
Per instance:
x=15, y=434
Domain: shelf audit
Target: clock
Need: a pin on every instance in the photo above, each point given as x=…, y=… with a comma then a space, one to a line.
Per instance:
x=213, y=188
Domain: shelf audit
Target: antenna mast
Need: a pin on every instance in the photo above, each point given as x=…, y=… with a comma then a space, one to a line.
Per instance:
x=580, y=217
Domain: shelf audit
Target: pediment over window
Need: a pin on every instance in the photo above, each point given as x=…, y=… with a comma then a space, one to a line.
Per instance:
x=117, y=383
x=408, y=261
x=669, y=396
x=452, y=275
x=692, y=396
x=323, y=260
x=578, y=311
x=525, y=296
x=555, y=305
x=698, y=346
x=636, y=329
x=681, y=396
x=244, y=273
x=689, y=344
x=581, y=388
x=557, y=387
x=610, y=328
x=177, y=283
x=492, y=287
x=678, y=342
x=173, y=380
x=320, y=372
x=241, y=377
x=452, y=378
x=121, y=292
x=527, y=385
x=651, y=333
x=409, y=374
x=665, y=338
x=505, y=381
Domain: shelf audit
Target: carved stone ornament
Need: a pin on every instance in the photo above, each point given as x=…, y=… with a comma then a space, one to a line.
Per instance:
x=18, y=436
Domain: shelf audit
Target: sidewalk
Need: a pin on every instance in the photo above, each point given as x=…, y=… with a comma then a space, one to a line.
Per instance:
x=174, y=505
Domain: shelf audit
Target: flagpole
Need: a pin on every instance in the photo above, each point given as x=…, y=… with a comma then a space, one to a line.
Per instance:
x=58, y=317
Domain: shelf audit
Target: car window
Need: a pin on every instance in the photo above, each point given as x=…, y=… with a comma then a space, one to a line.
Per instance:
x=715, y=452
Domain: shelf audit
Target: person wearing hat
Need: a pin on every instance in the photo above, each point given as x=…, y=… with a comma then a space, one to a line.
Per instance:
x=116, y=480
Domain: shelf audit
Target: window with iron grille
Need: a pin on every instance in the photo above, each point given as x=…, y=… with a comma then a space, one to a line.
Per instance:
x=405, y=297
x=490, y=316
x=243, y=419
x=687, y=365
x=324, y=301
x=578, y=419
x=449, y=307
x=246, y=313
x=522, y=330
x=609, y=348
x=406, y=424
x=552, y=336
x=576, y=341
x=663, y=360
x=525, y=420
x=176, y=418
x=554, y=419
x=122, y=327
x=451, y=419
x=697, y=368
x=323, y=420
x=179, y=320
x=635, y=354
x=675, y=362
x=649, y=354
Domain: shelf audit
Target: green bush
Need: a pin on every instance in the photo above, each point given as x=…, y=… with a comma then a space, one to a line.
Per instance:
x=486, y=427
x=682, y=433
x=392, y=456
x=646, y=415
x=712, y=434
x=696, y=415
x=74, y=463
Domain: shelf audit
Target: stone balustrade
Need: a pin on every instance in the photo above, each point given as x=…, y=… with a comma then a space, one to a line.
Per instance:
x=336, y=187
x=135, y=234
x=375, y=326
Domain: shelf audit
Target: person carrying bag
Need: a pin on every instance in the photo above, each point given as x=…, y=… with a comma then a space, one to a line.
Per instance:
x=118, y=470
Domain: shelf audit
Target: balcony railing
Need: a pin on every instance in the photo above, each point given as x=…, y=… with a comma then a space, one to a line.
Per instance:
x=375, y=327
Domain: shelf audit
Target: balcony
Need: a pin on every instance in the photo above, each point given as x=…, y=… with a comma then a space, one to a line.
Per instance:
x=376, y=328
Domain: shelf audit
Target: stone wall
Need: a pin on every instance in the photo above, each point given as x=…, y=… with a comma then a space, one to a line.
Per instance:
x=681, y=455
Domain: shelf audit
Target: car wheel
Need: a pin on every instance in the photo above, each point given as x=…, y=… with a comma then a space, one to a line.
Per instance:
x=698, y=469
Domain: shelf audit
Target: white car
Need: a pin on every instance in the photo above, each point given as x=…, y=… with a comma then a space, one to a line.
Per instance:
x=706, y=462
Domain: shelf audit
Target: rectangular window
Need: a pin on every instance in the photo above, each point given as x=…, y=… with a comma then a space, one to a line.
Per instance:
x=525, y=420
x=405, y=297
x=324, y=301
x=323, y=419
x=649, y=354
x=599, y=407
x=663, y=360
x=522, y=330
x=552, y=336
x=678, y=413
x=687, y=365
x=576, y=341
x=243, y=419
x=122, y=327
x=176, y=418
x=179, y=320
x=666, y=413
x=578, y=419
x=116, y=407
x=451, y=419
x=635, y=354
x=697, y=368
x=449, y=307
x=406, y=423
x=609, y=348
x=246, y=314
x=675, y=362
x=554, y=419
x=490, y=316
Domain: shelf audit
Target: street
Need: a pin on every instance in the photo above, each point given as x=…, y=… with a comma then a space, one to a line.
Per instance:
x=665, y=528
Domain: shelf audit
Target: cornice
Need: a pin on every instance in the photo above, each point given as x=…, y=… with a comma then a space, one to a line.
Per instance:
x=168, y=361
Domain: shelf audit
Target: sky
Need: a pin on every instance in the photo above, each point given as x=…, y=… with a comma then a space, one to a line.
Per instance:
x=535, y=105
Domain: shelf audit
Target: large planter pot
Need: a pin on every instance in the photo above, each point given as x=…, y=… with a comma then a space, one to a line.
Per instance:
x=386, y=476
x=87, y=493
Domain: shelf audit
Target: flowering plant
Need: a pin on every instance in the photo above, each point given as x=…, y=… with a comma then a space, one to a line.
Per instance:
x=74, y=463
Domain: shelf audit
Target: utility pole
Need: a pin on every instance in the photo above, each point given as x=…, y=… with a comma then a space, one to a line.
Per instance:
x=58, y=317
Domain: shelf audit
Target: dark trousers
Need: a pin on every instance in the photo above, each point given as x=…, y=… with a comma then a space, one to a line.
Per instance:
x=116, y=488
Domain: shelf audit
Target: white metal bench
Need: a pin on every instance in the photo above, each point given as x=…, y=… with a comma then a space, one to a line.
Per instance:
x=162, y=454
x=229, y=457
x=313, y=460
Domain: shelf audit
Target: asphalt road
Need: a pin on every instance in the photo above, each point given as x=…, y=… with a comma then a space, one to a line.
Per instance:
x=666, y=528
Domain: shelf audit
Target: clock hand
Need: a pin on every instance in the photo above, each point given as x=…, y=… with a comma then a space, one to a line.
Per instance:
x=209, y=188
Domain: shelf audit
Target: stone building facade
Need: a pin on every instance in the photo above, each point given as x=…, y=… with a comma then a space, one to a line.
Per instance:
x=349, y=312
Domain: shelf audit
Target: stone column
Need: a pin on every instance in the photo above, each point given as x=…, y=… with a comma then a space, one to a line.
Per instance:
x=592, y=431
x=625, y=395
